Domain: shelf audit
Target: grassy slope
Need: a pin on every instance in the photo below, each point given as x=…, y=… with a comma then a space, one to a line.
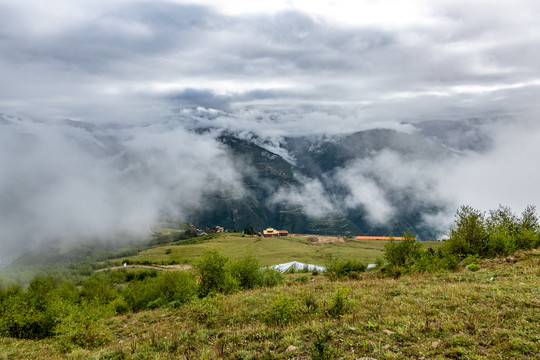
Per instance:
x=461, y=315
x=270, y=251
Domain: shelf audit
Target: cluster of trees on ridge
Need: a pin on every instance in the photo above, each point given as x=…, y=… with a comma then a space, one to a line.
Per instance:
x=475, y=235
x=51, y=308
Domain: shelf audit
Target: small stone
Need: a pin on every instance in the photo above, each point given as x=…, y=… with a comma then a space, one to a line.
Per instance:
x=388, y=332
x=120, y=342
x=291, y=348
x=386, y=347
x=435, y=344
x=366, y=358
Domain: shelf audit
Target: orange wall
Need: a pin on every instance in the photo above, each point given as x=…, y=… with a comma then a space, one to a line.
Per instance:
x=379, y=238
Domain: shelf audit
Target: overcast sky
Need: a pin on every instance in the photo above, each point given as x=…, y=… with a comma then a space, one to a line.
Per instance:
x=358, y=62
x=276, y=68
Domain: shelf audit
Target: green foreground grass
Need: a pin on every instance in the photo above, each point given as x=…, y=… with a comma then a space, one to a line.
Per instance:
x=269, y=251
x=492, y=313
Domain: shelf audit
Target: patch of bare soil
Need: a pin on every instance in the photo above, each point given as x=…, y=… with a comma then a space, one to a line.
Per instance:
x=322, y=239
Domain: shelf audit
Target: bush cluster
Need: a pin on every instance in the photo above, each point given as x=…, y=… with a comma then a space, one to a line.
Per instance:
x=498, y=233
x=219, y=274
x=474, y=236
x=339, y=269
x=52, y=308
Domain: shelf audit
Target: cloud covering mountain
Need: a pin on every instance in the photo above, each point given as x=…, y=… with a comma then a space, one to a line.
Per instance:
x=136, y=78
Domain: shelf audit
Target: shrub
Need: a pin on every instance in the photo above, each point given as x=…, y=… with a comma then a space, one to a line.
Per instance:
x=99, y=288
x=140, y=274
x=473, y=267
x=169, y=288
x=309, y=301
x=246, y=271
x=340, y=303
x=213, y=275
x=249, y=230
x=403, y=253
x=270, y=277
x=20, y=320
x=529, y=220
x=469, y=235
x=321, y=348
x=302, y=278
x=40, y=291
x=81, y=327
x=32, y=314
x=433, y=261
x=283, y=311
x=119, y=305
x=139, y=294
x=502, y=220
x=174, y=288
x=206, y=310
x=394, y=271
x=499, y=244
x=525, y=239
x=338, y=269
x=471, y=259
x=178, y=286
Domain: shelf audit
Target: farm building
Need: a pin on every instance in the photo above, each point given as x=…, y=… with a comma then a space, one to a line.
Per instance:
x=271, y=232
x=381, y=238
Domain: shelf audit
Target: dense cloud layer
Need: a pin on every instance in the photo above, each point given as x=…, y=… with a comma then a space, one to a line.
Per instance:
x=283, y=68
x=65, y=182
x=125, y=60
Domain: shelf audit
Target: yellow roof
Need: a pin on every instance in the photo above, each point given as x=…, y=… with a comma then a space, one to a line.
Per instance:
x=270, y=231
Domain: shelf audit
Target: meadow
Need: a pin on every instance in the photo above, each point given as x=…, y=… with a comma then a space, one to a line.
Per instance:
x=491, y=313
x=269, y=251
x=475, y=296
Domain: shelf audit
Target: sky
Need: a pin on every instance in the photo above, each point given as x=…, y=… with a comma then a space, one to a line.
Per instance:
x=275, y=68
x=364, y=62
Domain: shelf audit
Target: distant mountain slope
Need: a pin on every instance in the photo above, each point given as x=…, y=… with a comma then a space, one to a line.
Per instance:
x=321, y=160
x=373, y=182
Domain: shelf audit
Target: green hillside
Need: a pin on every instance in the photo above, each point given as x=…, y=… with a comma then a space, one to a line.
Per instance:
x=491, y=313
x=269, y=251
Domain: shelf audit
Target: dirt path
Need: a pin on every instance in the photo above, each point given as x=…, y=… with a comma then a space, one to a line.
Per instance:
x=155, y=267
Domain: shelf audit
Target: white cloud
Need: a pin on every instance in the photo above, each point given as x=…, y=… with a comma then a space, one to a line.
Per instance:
x=310, y=198
x=62, y=182
x=273, y=68
x=366, y=193
x=506, y=175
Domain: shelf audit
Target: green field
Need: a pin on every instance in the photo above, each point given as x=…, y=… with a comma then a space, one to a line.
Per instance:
x=269, y=251
x=491, y=313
